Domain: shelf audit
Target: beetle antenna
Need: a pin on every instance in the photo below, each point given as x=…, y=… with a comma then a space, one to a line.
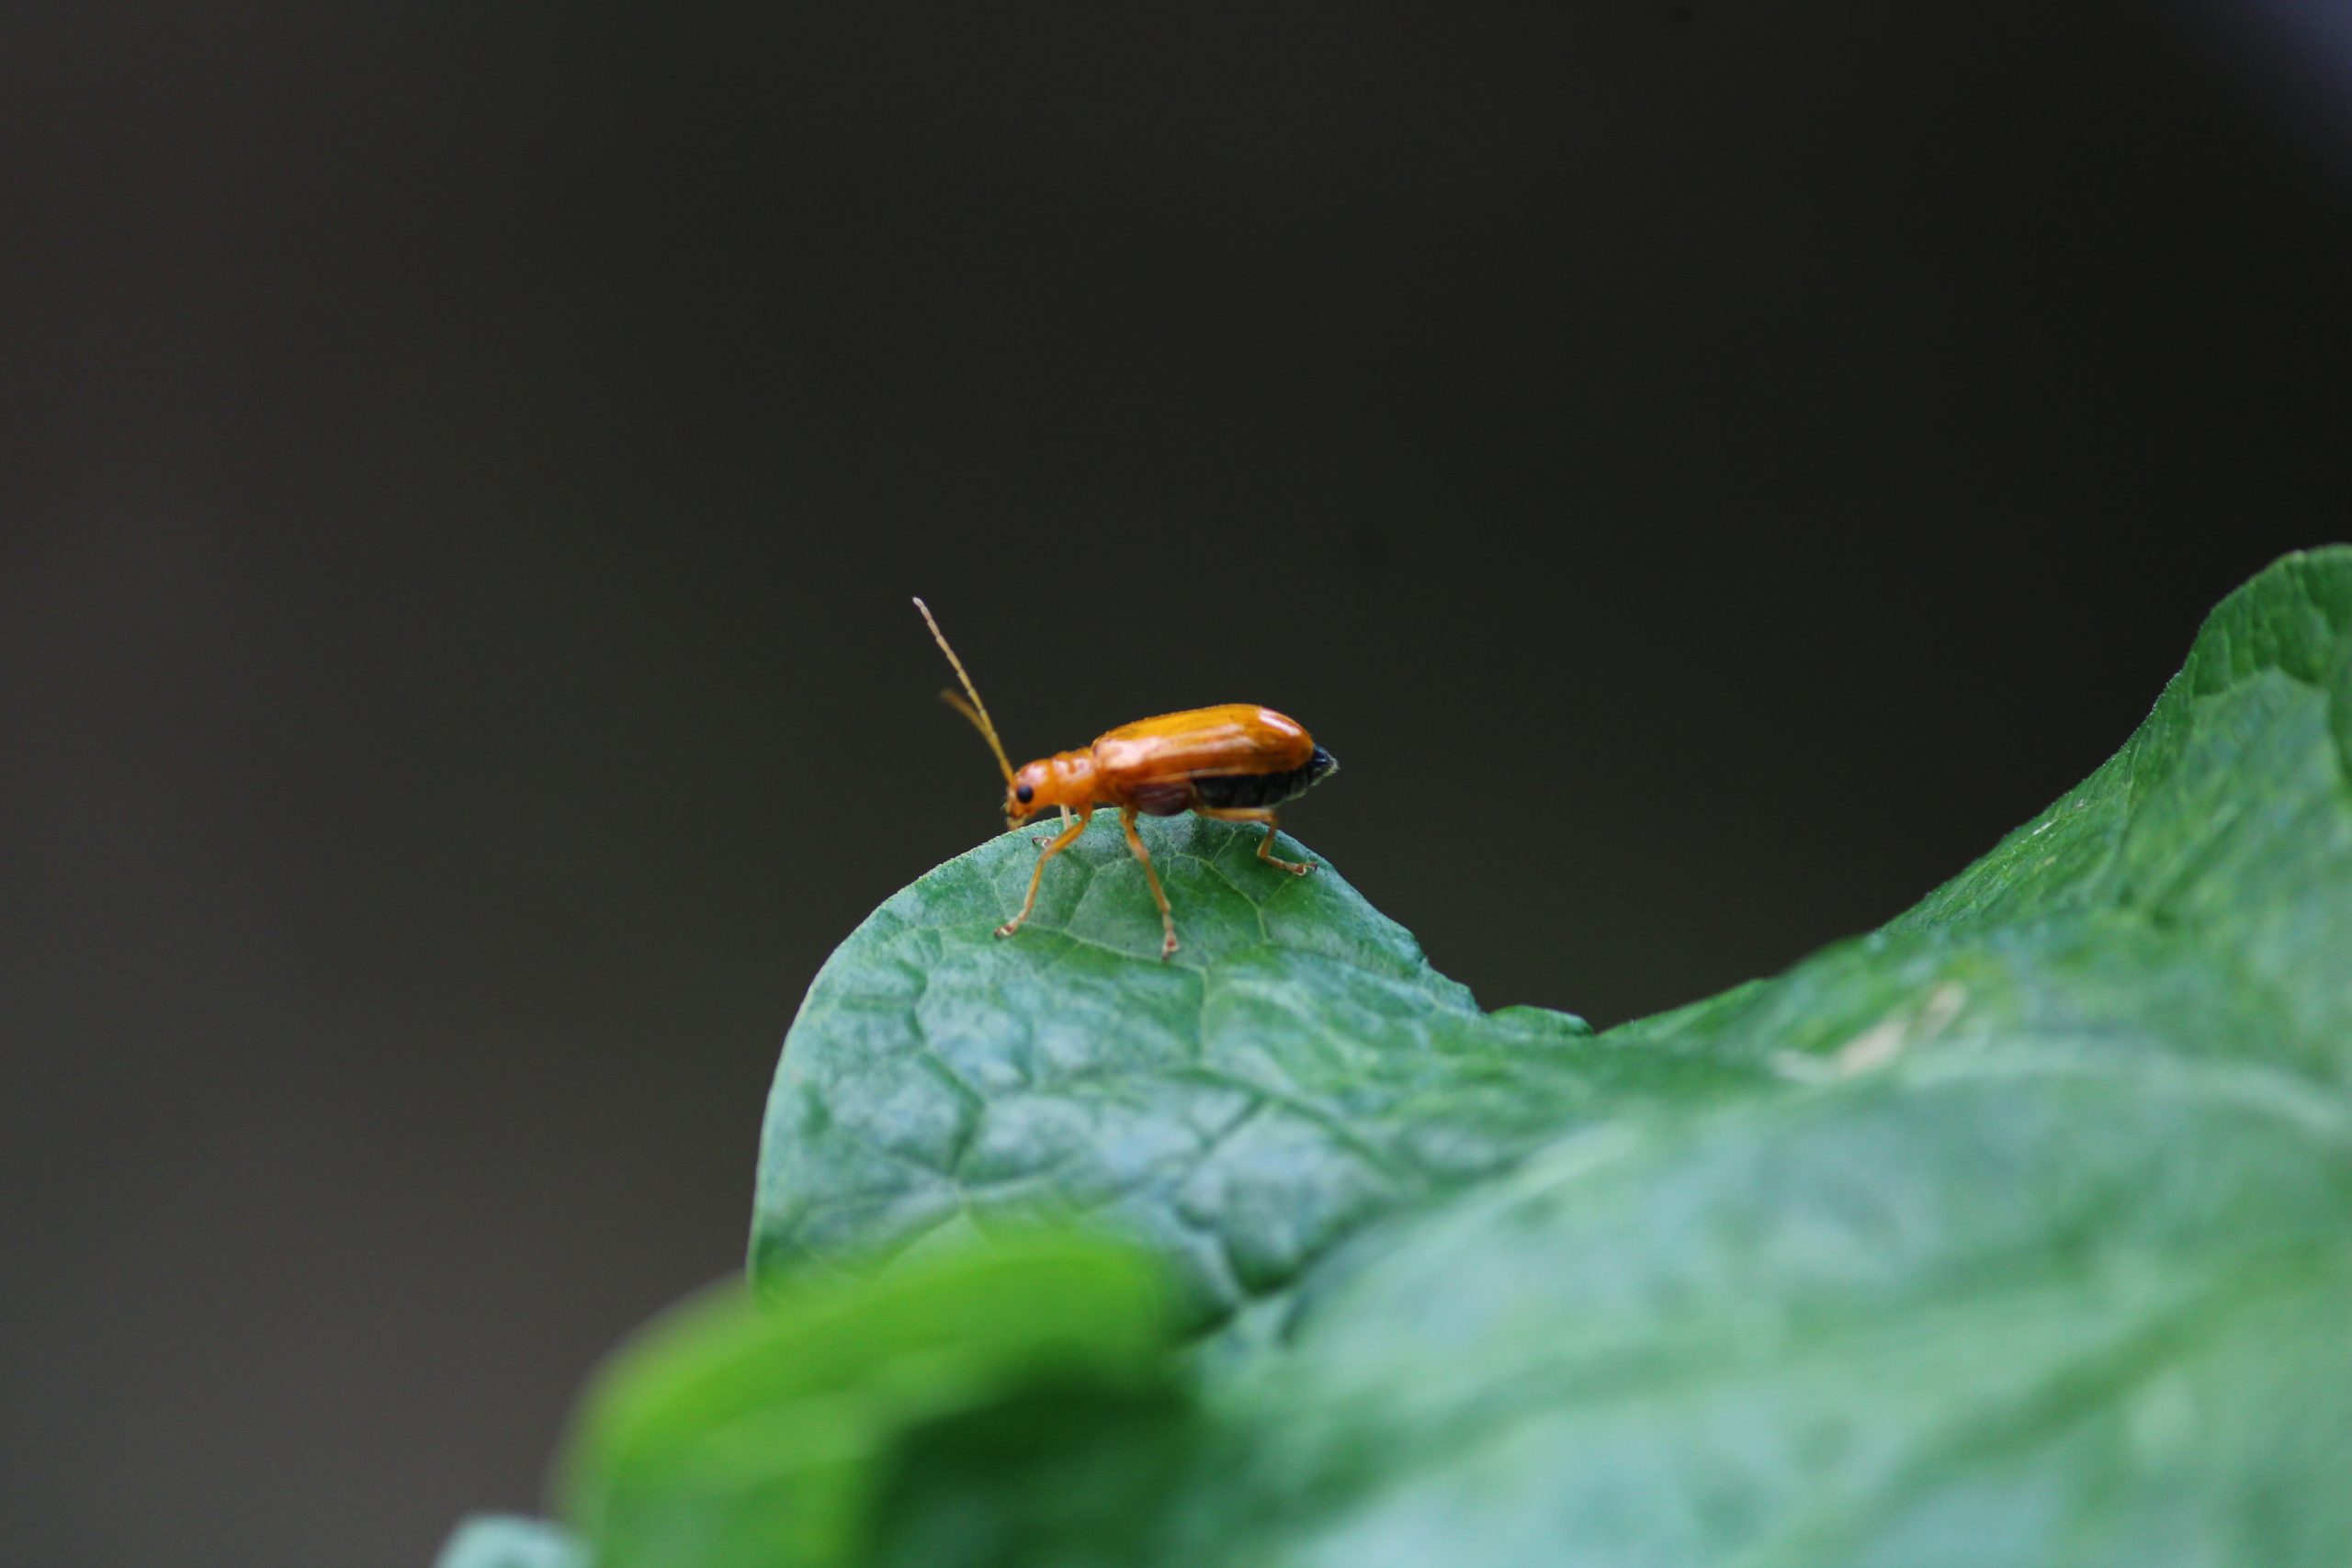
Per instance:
x=975, y=710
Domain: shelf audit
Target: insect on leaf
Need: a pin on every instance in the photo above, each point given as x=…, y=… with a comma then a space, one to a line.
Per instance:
x=2018, y=1233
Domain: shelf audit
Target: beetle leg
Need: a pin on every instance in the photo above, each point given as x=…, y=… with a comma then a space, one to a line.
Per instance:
x=1041, y=843
x=1266, y=844
x=1167, y=918
x=1061, y=841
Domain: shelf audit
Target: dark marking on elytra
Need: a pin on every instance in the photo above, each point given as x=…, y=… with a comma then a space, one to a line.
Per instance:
x=1229, y=791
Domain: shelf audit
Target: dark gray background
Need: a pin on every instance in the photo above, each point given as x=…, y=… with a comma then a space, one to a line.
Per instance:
x=1707, y=471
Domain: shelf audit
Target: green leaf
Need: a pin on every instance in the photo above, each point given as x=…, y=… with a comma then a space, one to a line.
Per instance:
x=2046, y=1259
x=1297, y=1070
x=2018, y=1233
x=730, y=1435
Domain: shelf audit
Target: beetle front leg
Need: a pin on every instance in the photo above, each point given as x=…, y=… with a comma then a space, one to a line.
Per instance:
x=1061, y=843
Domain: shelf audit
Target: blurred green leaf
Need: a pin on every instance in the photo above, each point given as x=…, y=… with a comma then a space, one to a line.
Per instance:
x=2018, y=1233
x=732, y=1435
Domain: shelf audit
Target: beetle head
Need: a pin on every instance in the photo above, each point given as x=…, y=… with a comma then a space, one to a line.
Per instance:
x=1064, y=781
x=1031, y=793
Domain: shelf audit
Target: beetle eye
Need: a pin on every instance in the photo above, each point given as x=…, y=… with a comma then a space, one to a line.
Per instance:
x=1024, y=795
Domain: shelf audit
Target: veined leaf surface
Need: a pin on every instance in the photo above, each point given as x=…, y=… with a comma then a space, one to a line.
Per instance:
x=2017, y=1233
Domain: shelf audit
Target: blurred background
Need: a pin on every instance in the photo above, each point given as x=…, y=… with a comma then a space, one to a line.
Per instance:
x=1707, y=470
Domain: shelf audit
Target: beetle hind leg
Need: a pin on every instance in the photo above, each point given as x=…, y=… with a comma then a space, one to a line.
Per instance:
x=1266, y=844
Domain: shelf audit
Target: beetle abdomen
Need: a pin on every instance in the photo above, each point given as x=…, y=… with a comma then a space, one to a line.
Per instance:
x=1241, y=791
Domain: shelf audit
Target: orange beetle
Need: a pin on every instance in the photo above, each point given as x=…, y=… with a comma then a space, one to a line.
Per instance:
x=1234, y=762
